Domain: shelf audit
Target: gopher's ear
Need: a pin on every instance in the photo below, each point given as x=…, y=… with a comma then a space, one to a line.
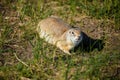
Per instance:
x=73, y=26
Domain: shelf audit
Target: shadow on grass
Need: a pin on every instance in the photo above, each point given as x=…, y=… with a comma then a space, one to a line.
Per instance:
x=89, y=44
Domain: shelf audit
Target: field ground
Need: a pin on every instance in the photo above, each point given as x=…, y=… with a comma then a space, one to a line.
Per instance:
x=24, y=56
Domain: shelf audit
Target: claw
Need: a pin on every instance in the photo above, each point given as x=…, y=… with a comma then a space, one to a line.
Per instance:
x=67, y=52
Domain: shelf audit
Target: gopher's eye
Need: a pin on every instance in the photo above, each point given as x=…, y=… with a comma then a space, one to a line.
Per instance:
x=72, y=32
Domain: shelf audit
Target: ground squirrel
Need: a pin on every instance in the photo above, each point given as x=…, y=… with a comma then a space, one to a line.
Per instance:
x=57, y=32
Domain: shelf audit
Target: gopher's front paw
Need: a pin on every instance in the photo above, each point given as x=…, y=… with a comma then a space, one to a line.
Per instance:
x=67, y=52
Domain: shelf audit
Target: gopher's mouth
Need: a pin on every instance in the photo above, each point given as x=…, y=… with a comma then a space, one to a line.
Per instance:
x=79, y=39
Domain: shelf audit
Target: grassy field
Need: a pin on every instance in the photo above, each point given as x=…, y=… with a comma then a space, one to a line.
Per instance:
x=24, y=56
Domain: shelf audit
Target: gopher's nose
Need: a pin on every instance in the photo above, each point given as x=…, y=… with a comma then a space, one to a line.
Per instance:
x=78, y=38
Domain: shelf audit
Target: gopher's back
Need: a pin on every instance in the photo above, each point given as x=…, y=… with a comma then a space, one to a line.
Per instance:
x=52, y=28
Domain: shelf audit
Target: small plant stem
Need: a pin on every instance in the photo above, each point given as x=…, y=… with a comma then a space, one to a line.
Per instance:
x=20, y=60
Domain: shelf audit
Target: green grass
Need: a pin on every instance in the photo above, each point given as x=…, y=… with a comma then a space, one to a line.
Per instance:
x=45, y=61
